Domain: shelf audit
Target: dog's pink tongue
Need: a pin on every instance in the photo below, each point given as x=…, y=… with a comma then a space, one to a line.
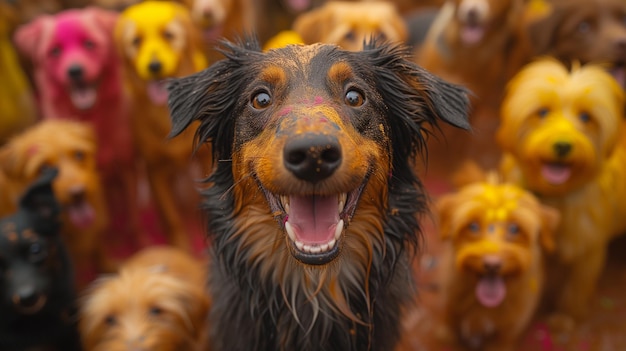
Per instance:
x=472, y=34
x=314, y=218
x=157, y=92
x=83, y=98
x=82, y=215
x=490, y=291
x=555, y=173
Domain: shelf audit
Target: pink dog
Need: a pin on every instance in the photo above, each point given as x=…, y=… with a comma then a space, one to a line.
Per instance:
x=77, y=75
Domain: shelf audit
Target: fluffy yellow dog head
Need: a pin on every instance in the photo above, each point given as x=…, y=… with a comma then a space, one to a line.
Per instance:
x=156, y=36
x=560, y=125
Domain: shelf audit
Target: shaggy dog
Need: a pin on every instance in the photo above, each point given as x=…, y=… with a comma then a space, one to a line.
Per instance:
x=157, y=302
x=494, y=236
x=158, y=42
x=77, y=76
x=584, y=30
x=37, y=297
x=313, y=206
x=348, y=24
x=562, y=133
x=70, y=147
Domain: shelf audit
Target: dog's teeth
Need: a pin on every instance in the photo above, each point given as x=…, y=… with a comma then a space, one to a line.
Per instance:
x=299, y=245
x=290, y=231
x=285, y=202
x=331, y=243
x=306, y=248
x=342, y=202
x=315, y=249
x=324, y=247
x=286, y=207
x=339, y=229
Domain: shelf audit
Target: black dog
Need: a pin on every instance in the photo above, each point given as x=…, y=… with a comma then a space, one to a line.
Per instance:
x=314, y=202
x=37, y=297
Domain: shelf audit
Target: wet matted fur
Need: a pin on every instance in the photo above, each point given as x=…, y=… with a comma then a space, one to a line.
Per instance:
x=313, y=206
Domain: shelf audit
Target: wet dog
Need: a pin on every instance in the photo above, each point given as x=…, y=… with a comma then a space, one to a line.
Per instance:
x=563, y=136
x=495, y=235
x=157, y=302
x=37, y=295
x=70, y=147
x=312, y=208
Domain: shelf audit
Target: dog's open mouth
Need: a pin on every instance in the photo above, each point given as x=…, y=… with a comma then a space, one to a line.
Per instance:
x=472, y=33
x=83, y=95
x=157, y=92
x=490, y=290
x=81, y=213
x=314, y=224
x=556, y=173
x=619, y=73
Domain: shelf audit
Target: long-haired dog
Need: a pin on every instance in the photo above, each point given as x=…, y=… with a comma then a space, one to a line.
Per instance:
x=349, y=23
x=37, y=296
x=495, y=236
x=157, y=302
x=78, y=76
x=312, y=208
x=70, y=147
x=158, y=41
x=562, y=133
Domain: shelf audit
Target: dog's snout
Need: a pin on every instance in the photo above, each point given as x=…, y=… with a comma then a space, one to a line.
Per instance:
x=492, y=264
x=155, y=66
x=26, y=297
x=312, y=157
x=77, y=193
x=75, y=72
x=562, y=149
x=620, y=44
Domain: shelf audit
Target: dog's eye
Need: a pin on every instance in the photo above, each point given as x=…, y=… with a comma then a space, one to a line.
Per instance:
x=155, y=311
x=79, y=155
x=474, y=227
x=110, y=320
x=168, y=35
x=513, y=229
x=542, y=112
x=55, y=51
x=354, y=98
x=583, y=27
x=89, y=45
x=584, y=117
x=350, y=36
x=261, y=100
x=36, y=252
x=136, y=41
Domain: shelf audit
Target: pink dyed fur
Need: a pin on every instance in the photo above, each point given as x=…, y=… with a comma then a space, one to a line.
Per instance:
x=83, y=38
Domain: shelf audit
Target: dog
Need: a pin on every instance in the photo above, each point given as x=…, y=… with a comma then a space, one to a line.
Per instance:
x=348, y=24
x=495, y=235
x=156, y=302
x=78, y=76
x=37, y=295
x=70, y=147
x=585, y=31
x=158, y=42
x=563, y=139
x=312, y=208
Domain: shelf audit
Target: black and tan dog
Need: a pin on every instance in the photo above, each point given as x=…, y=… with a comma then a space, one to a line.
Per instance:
x=314, y=202
x=36, y=282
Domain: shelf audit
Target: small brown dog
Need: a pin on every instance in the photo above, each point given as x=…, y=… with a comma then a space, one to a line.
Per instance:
x=562, y=132
x=349, y=24
x=70, y=147
x=157, y=302
x=495, y=235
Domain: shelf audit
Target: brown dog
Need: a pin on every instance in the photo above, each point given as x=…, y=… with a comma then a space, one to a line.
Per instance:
x=348, y=24
x=156, y=302
x=585, y=31
x=70, y=147
x=563, y=135
x=158, y=41
x=493, y=268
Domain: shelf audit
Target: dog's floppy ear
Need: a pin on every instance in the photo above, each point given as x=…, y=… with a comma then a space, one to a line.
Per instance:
x=414, y=96
x=444, y=206
x=103, y=18
x=28, y=37
x=11, y=165
x=550, y=218
x=40, y=203
x=210, y=96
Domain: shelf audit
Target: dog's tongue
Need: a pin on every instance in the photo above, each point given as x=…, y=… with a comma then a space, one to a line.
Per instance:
x=472, y=34
x=556, y=173
x=82, y=215
x=490, y=291
x=83, y=98
x=619, y=73
x=157, y=92
x=313, y=218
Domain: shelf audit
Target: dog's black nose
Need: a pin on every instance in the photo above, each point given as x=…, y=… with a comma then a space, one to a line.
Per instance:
x=75, y=71
x=26, y=297
x=561, y=149
x=492, y=265
x=155, y=66
x=312, y=157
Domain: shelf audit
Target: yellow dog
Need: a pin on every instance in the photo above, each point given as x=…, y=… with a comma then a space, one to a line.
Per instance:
x=562, y=132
